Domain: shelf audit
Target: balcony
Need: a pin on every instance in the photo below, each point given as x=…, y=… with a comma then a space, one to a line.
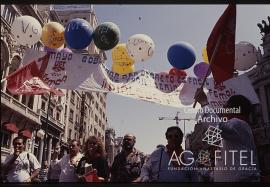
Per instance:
x=22, y=109
x=51, y=119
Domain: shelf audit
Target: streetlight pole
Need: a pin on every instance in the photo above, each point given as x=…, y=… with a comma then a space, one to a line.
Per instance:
x=44, y=156
x=177, y=119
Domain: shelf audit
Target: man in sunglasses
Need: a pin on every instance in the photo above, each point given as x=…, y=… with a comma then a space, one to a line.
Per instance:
x=69, y=163
x=169, y=163
x=128, y=163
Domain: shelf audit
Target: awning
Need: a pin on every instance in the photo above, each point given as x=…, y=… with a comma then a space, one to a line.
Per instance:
x=26, y=133
x=11, y=127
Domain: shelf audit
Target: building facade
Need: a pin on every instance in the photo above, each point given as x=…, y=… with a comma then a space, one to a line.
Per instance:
x=76, y=115
x=110, y=144
x=95, y=119
x=118, y=145
x=260, y=78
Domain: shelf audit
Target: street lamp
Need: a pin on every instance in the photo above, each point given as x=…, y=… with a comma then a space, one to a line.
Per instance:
x=44, y=157
x=40, y=133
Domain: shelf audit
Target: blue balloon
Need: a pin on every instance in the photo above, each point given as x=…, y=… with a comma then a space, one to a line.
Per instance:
x=78, y=33
x=181, y=55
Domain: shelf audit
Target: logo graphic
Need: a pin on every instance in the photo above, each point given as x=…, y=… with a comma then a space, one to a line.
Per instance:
x=213, y=136
x=204, y=158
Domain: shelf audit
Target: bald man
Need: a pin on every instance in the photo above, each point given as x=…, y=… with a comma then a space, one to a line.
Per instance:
x=128, y=163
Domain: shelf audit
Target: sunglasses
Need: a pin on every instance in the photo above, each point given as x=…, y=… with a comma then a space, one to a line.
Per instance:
x=127, y=139
x=72, y=146
x=170, y=136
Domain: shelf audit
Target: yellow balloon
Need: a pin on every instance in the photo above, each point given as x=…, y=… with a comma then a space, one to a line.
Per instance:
x=205, y=56
x=53, y=35
x=120, y=55
x=122, y=69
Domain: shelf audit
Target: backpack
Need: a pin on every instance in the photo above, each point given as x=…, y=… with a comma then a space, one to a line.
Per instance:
x=36, y=179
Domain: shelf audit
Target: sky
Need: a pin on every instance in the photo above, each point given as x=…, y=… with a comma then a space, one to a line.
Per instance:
x=167, y=25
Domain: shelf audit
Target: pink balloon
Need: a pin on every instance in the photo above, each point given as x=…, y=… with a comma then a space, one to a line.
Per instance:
x=200, y=70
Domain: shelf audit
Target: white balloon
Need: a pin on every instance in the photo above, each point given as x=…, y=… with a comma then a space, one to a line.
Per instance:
x=245, y=56
x=26, y=30
x=140, y=47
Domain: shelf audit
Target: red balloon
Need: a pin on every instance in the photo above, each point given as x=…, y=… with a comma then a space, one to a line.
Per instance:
x=178, y=72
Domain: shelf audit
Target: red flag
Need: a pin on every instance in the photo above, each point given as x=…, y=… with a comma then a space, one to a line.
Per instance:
x=27, y=80
x=222, y=65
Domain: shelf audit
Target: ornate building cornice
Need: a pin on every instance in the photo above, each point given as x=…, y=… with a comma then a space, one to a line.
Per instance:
x=13, y=46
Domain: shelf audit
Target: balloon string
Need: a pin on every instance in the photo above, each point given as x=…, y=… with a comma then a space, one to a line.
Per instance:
x=209, y=67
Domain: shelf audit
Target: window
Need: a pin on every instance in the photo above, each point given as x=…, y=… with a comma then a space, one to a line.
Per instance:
x=99, y=135
x=99, y=123
x=65, y=111
x=95, y=131
x=100, y=111
x=71, y=112
x=72, y=98
x=58, y=116
x=31, y=102
x=50, y=111
x=59, y=99
x=77, y=118
x=24, y=99
x=96, y=118
x=96, y=105
x=43, y=105
x=69, y=133
x=78, y=103
x=5, y=139
x=85, y=110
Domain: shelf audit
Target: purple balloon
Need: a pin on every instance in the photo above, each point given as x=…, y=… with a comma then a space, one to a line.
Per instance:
x=66, y=50
x=47, y=49
x=201, y=69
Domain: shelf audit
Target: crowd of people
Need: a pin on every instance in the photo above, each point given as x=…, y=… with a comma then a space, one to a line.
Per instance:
x=88, y=163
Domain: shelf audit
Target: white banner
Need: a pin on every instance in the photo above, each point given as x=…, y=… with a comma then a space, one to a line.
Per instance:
x=65, y=70
x=85, y=72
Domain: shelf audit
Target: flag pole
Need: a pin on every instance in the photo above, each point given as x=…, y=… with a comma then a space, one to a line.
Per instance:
x=210, y=63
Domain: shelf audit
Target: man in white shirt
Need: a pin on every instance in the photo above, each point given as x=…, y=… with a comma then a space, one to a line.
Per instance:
x=69, y=163
x=19, y=165
x=236, y=161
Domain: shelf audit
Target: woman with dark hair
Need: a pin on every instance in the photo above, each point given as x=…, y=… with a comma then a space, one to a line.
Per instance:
x=94, y=159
